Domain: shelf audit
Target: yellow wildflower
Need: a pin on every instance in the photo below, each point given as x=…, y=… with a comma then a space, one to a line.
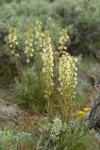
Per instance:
x=87, y=109
x=80, y=113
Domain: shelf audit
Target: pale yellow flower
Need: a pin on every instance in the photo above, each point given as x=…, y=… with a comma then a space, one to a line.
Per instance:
x=48, y=64
x=13, y=41
x=29, y=44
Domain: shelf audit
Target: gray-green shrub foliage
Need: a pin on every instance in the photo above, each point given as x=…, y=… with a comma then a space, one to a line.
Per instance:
x=80, y=17
x=60, y=136
x=10, y=140
x=52, y=136
x=5, y=139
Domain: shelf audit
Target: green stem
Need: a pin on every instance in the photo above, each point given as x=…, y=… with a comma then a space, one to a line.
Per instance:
x=19, y=70
x=28, y=77
x=50, y=111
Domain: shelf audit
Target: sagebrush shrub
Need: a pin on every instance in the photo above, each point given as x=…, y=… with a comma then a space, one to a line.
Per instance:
x=62, y=136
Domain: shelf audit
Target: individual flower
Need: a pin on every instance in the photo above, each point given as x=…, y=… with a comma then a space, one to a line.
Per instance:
x=87, y=109
x=80, y=113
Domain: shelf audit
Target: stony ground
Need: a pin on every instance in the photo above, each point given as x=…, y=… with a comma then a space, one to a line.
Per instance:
x=10, y=113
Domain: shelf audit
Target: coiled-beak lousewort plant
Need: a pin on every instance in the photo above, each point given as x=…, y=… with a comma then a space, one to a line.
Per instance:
x=29, y=44
x=67, y=78
x=48, y=64
x=13, y=41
